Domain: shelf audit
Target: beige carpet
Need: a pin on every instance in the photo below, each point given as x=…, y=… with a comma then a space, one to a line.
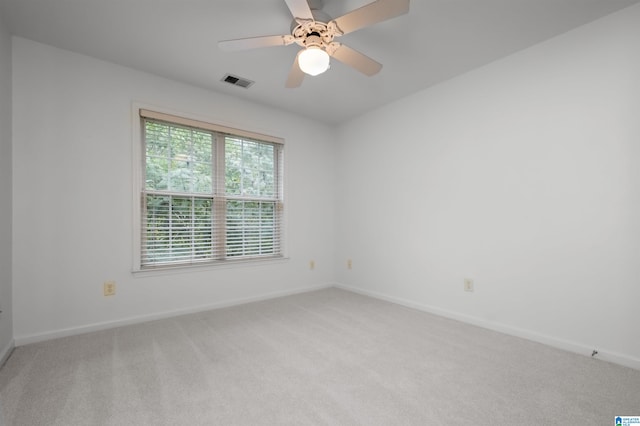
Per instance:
x=328, y=357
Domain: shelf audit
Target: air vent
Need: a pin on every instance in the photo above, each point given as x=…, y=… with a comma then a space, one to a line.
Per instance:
x=237, y=81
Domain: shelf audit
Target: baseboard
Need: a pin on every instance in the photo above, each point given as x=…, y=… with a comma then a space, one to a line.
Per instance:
x=566, y=345
x=40, y=337
x=5, y=353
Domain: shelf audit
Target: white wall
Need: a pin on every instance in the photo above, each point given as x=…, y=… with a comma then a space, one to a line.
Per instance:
x=6, y=328
x=72, y=130
x=523, y=176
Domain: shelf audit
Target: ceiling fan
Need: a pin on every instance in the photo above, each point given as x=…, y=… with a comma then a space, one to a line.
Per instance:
x=315, y=31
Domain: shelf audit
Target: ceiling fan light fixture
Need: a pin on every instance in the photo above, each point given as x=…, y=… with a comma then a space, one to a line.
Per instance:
x=313, y=60
x=314, y=31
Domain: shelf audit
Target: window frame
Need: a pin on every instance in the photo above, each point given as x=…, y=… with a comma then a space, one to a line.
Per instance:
x=139, y=113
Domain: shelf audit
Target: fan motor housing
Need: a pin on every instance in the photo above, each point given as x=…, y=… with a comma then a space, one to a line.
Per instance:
x=319, y=32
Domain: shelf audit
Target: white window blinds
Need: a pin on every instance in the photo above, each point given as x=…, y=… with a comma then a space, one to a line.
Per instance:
x=209, y=193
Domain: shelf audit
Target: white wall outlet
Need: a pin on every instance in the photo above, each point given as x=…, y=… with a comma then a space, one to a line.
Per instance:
x=109, y=288
x=468, y=284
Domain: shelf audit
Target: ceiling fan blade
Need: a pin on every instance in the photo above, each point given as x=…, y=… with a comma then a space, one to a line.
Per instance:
x=300, y=9
x=357, y=60
x=255, y=42
x=295, y=75
x=370, y=14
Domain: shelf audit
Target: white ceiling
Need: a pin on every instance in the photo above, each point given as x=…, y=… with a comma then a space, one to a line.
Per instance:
x=436, y=41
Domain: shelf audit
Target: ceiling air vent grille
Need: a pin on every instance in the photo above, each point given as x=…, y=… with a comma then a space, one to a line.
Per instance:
x=237, y=81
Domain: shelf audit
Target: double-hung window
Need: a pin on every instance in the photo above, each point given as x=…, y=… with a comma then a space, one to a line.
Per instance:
x=209, y=194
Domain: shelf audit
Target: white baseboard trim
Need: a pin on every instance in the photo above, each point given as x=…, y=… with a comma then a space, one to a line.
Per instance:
x=6, y=352
x=72, y=331
x=567, y=345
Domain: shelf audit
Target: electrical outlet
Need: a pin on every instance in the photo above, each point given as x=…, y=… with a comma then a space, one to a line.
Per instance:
x=468, y=284
x=312, y=264
x=109, y=288
x=349, y=264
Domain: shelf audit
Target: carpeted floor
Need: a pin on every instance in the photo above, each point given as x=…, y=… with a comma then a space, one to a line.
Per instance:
x=328, y=357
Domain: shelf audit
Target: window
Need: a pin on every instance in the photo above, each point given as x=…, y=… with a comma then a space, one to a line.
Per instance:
x=209, y=194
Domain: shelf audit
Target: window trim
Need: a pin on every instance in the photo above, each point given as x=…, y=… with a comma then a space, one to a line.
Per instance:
x=141, y=111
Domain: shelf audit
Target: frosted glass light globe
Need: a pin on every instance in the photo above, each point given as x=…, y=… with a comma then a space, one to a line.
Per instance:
x=313, y=60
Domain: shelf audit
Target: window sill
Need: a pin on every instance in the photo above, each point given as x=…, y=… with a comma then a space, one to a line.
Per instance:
x=227, y=264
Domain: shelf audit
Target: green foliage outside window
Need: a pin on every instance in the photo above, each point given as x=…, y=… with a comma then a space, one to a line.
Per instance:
x=183, y=221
